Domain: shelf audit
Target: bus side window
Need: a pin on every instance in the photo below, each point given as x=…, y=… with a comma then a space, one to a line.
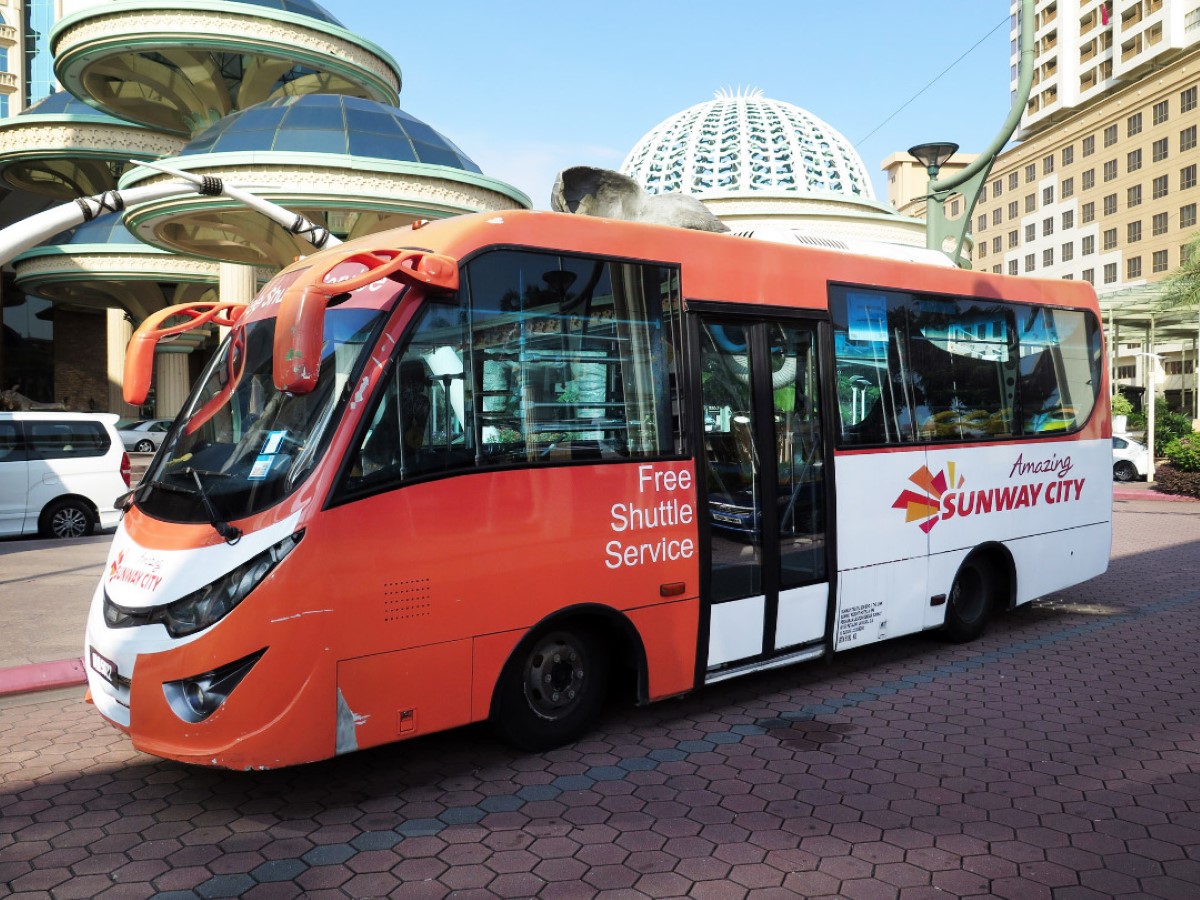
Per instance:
x=1059, y=369
x=871, y=355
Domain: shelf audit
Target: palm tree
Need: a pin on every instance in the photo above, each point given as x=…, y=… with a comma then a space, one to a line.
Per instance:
x=1181, y=288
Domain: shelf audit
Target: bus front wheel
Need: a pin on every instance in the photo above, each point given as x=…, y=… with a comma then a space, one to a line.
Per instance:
x=551, y=690
x=969, y=606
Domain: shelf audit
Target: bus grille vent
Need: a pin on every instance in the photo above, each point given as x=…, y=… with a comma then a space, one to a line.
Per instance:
x=410, y=599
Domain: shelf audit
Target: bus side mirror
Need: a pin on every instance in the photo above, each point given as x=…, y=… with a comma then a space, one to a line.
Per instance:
x=300, y=322
x=139, y=357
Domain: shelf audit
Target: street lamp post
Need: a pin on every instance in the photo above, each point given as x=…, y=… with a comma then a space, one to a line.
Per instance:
x=940, y=233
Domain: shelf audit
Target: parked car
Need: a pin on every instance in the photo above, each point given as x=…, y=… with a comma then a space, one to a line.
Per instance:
x=60, y=473
x=1131, y=460
x=144, y=435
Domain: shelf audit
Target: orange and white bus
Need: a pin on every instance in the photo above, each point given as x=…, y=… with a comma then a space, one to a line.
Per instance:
x=475, y=470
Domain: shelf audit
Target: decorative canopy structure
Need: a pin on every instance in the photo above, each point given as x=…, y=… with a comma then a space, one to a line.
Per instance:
x=180, y=66
x=100, y=264
x=352, y=165
x=744, y=142
x=63, y=148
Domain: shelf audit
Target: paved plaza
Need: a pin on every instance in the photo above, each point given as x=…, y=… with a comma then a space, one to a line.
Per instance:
x=1058, y=756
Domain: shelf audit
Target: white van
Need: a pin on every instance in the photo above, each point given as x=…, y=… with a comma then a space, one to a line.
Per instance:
x=60, y=473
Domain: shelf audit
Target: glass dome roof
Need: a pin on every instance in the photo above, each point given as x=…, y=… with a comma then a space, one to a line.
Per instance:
x=102, y=230
x=746, y=143
x=328, y=123
x=60, y=103
x=299, y=7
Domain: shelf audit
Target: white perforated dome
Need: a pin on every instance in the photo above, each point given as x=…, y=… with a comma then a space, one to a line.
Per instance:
x=744, y=143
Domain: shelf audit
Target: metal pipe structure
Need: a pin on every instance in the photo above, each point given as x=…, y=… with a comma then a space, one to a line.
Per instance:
x=31, y=231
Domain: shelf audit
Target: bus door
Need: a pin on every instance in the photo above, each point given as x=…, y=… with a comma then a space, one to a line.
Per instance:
x=763, y=495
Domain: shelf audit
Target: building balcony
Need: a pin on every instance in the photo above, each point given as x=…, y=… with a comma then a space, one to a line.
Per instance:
x=8, y=83
x=8, y=36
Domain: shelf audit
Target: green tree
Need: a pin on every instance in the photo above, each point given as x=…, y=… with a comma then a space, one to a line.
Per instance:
x=1181, y=288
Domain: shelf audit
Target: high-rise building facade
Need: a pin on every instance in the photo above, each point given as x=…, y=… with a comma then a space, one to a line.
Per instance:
x=1105, y=184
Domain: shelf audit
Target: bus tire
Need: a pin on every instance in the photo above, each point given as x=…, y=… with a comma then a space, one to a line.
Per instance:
x=552, y=688
x=971, y=601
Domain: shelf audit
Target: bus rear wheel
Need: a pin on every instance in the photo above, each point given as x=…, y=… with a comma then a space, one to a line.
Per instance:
x=971, y=600
x=551, y=690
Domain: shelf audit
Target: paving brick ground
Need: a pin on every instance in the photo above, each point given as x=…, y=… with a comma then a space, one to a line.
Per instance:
x=1059, y=756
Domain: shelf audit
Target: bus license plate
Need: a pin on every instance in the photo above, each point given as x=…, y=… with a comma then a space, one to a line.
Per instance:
x=105, y=668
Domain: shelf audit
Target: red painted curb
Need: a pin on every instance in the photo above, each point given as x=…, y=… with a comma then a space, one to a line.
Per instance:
x=42, y=676
x=1146, y=494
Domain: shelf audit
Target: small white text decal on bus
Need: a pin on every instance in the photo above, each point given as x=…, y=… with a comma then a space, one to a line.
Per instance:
x=663, y=502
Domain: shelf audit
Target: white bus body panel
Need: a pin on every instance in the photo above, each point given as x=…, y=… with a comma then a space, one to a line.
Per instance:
x=1049, y=503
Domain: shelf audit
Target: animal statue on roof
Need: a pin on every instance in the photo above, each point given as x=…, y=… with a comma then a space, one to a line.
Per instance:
x=588, y=191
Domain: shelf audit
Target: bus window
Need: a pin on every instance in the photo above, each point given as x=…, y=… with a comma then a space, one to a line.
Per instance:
x=963, y=368
x=1060, y=369
x=871, y=367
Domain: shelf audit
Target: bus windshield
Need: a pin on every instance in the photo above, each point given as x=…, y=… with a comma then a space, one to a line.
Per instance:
x=240, y=445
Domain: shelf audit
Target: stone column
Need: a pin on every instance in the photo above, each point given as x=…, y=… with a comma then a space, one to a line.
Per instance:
x=170, y=380
x=236, y=283
x=119, y=331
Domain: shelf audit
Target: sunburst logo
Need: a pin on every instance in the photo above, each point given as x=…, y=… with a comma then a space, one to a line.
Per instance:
x=927, y=508
x=116, y=564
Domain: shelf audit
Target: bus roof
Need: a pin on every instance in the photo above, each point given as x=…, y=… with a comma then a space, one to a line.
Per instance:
x=720, y=267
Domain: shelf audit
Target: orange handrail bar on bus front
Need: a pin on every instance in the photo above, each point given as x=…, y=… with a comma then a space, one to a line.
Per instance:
x=300, y=324
x=139, y=357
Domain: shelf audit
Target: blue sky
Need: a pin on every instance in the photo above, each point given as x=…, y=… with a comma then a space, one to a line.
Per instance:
x=527, y=88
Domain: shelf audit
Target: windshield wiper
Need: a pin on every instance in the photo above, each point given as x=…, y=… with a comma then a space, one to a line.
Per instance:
x=230, y=533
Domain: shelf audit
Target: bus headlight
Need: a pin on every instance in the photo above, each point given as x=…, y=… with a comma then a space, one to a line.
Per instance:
x=195, y=699
x=211, y=603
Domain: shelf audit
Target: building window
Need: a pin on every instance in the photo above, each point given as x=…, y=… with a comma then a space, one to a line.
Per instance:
x=1068, y=154
x=1133, y=196
x=1089, y=212
x=1158, y=225
x=1089, y=179
x=1133, y=160
x=1030, y=262
x=1159, y=187
x=982, y=249
x=997, y=186
x=1047, y=226
x=1133, y=125
x=1068, y=252
x=1110, y=170
x=1161, y=112
x=1187, y=139
x=1127, y=371
x=1187, y=99
x=1160, y=150
x=1031, y=201
x=1110, y=238
x=997, y=244
x=1014, y=239
x=1012, y=267
x=1110, y=273
x=997, y=269
x=1014, y=181
x=1014, y=209
x=1158, y=262
x=1110, y=135
x=997, y=216
x=981, y=223
x=1133, y=232
x=1088, y=275
x=1088, y=245
x=1048, y=164
x=1068, y=219
x=1187, y=177
x=1047, y=195
x=1048, y=257
x=954, y=210
x=1187, y=216
x=1110, y=205
x=1030, y=233
x=1089, y=145
x=1068, y=188
x=1030, y=172
x=1133, y=268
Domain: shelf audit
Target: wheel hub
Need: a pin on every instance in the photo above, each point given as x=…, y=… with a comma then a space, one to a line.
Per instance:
x=554, y=676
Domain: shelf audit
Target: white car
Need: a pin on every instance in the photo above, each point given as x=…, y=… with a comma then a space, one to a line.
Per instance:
x=1131, y=460
x=144, y=435
x=60, y=473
